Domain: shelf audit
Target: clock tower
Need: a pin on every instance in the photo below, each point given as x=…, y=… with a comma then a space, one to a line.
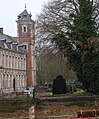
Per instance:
x=26, y=35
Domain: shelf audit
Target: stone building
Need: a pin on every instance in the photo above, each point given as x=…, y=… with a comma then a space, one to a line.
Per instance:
x=17, y=56
x=12, y=64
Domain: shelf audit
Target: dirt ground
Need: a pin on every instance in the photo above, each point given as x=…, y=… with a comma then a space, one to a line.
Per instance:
x=57, y=111
x=15, y=108
x=49, y=110
x=43, y=110
x=21, y=114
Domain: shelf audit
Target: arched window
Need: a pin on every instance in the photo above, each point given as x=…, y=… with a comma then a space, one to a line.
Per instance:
x=24, y=28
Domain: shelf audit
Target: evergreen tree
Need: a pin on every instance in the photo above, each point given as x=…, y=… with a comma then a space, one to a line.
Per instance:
x=83, y=28
x=76, y=45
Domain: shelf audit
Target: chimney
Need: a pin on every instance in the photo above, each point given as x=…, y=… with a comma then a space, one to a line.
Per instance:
x=1, y=30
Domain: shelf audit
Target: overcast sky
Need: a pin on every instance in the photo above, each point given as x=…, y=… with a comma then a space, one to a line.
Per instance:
x=10, y=9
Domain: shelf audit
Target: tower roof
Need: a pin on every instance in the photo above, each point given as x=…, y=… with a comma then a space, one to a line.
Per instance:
x=24, y=16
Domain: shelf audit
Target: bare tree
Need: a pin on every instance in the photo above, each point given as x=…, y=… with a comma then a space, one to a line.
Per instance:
x=56, y=16
x=50, y=64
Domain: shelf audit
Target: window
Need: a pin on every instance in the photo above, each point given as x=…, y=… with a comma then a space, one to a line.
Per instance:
x=25, y=47
x=6, y=60
x=24, y=28
x=18, y=62
x=11, y=82
x=10, y=66
x=3, y=59
x=13, y=61
x=24, y=16
x=21, y=62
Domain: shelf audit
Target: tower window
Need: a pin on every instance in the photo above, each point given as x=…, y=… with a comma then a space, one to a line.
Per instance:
x=24, y=28
x=25, y=47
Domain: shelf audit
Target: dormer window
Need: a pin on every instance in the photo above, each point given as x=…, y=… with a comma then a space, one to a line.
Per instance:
x=24, y=28
x=24, y=16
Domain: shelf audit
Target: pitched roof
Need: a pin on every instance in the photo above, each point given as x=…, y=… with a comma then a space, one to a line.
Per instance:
x=7, y=37
x=24, y=16
x=10, y=43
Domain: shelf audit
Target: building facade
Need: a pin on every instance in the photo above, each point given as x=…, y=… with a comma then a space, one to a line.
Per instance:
x=17, y=56
x=12, y=64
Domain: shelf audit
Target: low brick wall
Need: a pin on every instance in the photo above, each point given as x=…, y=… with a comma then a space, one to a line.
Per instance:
x=88, y=113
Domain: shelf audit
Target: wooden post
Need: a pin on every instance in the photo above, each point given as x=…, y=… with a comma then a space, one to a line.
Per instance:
x=32, y=112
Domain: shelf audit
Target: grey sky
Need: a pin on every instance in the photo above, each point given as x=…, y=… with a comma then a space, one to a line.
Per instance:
x=10, y=9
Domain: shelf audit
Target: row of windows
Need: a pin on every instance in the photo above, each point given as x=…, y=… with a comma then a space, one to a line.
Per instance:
x=13, y=62
x=20, y=81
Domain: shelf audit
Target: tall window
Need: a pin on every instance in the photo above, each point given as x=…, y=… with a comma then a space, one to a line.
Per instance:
x=7, y=81
x=13, y=61
x=3, y=59
x=6, y=60
x=24, y=63
x=24, y=28
x=11, y=82
x=18, y=62
x=21, y=63
x=10, y=62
